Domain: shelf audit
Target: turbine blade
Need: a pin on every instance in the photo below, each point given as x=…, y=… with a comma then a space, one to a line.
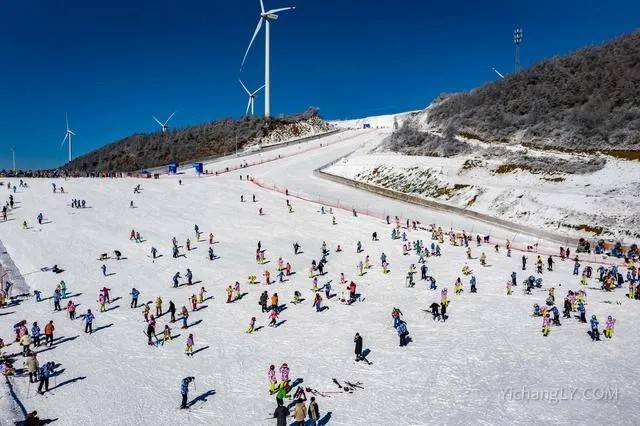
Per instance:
x=64, y=140
x=251, y=42
x=245, y=87
x=66, y=119
x=157, y=121
x=71, y=131
x=261, y=6
x=259, y=89
x=172, y=114
x=282, y=9
x=248, y=105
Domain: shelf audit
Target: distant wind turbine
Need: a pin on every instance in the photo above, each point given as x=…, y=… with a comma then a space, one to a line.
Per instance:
x=252, y=96
x=266, y=17
x=67, y=137
x=498, y=72
x=164, y=125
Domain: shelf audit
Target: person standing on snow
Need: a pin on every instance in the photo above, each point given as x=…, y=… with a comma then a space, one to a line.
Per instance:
x=280, y=414
x=358, y=349
x=88, y=322
x=595, y=333
x=134, y=297
x=184, y=390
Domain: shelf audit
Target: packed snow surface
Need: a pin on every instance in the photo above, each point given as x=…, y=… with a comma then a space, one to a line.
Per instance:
x=471, y=369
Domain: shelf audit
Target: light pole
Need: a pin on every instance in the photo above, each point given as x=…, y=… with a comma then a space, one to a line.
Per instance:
x=517, y=39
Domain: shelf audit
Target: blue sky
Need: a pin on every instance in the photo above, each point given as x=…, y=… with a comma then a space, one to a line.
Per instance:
x=113, y=64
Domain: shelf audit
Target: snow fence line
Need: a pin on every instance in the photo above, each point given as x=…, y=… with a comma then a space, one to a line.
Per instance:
x=518, y=229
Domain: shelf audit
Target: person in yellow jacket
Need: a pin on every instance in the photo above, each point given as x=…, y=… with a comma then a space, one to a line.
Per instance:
x=166, y=334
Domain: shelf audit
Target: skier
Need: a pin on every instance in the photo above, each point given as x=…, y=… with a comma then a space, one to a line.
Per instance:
x=184, y=390
x=48, y=333
x=313, y=412
x=71, y=310
x=280, y=414
x=172, y=310
x=134, y=297
x=104, y=270
x=176, y=276
x=189, y=277
x=358, y=349
x=300, y=410
x=252, y=324
x=435, y=310
x=32, y=366
x=189, y=345
x=582, y=311
x=185, y=316
x=546, y=324
x=595, y=333
x=524, y=262
x=158, y=304
x=151, y=332
x=88, y=322
x=35, y=334
x=402, y=333
x=45, y=372
x=608, y=330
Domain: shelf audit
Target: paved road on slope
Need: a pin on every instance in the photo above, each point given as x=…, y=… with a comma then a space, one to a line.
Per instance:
x=296, y=174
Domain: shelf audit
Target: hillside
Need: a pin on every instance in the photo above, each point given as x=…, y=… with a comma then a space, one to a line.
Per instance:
x=586, y=101
x=201, y=141
x=545, y=147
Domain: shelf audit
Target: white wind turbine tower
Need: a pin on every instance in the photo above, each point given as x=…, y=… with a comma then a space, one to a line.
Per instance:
x=164, y=125
x=266, y=17
x=67, y=137
x=252, y=97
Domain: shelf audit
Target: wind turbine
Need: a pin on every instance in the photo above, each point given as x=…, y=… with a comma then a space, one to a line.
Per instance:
x=498, y=72
x=252, y=96
x=267, y=17
x=164, y=125
x=67, y=137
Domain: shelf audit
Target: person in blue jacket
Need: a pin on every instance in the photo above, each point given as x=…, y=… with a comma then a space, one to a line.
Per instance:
x=175, y=279
x=401, y=328
x=184, y=390
x=88, y=322
x=472, y=281
x=45, y=372
x=56, y=300
x=35, y=334
x=134, y=297
x=595, y=333
x=583, y=317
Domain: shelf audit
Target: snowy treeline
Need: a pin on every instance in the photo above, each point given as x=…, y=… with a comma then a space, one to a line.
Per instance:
x=587, y=100
x=218, y=137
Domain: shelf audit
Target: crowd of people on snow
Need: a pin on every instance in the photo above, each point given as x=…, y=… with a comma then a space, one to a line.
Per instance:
x=345, y=292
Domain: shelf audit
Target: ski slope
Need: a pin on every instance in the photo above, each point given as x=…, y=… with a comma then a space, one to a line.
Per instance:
x=463, y=371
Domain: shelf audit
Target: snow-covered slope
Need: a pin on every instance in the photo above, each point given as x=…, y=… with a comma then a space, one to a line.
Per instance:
x=387, y=121
x=466, y=370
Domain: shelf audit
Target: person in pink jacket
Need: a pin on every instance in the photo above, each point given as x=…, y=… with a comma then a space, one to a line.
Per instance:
x=273, y=316
x=271, y=375
x=608, y=329
x=546, y=325
x=284, y=375
x=71, y=310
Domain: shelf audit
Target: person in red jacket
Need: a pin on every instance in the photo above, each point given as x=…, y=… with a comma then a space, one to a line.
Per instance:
x=352, y=292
